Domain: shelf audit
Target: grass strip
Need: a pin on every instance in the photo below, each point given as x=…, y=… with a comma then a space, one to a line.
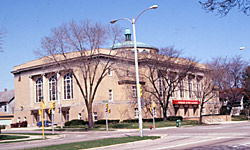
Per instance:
x=96, y=143
x=11, y=137
x=20, y=141
x=29, y=133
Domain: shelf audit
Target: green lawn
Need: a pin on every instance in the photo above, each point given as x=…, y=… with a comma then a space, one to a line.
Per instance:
x=96, y=143
x=112, y=127
x=11, y=137
x=146, y=125
x=28, y=133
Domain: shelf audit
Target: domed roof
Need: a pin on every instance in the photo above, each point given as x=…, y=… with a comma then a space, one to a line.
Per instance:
x=130, y=44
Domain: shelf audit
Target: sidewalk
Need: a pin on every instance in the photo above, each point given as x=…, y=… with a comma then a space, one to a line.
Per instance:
x=31, y=137
x=227, y=122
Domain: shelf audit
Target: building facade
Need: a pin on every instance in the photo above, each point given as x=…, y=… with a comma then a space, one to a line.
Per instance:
x=41, y=79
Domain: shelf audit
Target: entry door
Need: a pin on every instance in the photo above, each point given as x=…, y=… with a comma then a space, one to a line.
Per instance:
x=186, y=110
x=66, y=115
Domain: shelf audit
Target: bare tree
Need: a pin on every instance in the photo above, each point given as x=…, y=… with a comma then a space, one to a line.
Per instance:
x=227, y=75
x=223, y=7
x=76, y=47
x=2, y=35
x=206, y=92
x=165, y=74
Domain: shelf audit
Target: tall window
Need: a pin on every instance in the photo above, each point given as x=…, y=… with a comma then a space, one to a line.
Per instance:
x=198, y=89
x=172, y=84
x=110, y=94
x=181, y=89
x=160, y=86
x=39, y=90
x=68, y=86
x=190, y=88
x=52, y=88
x=134, y=91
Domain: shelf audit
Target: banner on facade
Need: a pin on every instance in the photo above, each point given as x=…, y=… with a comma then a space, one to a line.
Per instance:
x=186, y=102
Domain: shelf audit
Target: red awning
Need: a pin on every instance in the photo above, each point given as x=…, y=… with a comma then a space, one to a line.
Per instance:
x=195, y=102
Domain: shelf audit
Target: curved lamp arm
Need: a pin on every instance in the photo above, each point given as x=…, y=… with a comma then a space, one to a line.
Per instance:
x=114, y=21
x=133, y=21
x=151, y=7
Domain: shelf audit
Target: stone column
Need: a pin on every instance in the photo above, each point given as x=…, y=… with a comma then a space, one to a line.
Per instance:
x=59, y=87
x=45, y=91
x=32, y=89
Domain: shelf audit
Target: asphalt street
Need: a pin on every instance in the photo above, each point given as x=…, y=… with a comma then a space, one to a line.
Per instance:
x=214, y=137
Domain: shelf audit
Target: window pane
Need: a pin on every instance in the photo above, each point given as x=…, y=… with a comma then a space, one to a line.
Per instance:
x=68, y=86
x=39, y=90
x=52, y=88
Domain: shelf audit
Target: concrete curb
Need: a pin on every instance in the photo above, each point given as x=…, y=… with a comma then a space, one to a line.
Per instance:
x=142, y=141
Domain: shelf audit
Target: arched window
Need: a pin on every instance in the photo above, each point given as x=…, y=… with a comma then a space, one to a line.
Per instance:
x=39, y=90
x=181, y=88
x=52, y=88
x=68, y=86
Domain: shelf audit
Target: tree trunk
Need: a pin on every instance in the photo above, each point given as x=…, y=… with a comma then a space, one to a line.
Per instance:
x=200, y=120
x=164, y=114
x=90, y=118
x=229, y=112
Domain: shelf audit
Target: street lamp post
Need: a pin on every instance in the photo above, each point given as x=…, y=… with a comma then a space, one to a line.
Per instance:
x=133, y=21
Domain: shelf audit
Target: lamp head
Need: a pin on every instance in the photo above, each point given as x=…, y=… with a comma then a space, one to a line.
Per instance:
x=241, y=48
x=113, y=21
x=153, y=7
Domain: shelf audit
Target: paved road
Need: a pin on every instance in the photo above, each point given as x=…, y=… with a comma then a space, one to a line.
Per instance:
x=214, y=137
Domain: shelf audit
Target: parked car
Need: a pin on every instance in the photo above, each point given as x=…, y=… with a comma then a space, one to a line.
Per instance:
x=45, y=123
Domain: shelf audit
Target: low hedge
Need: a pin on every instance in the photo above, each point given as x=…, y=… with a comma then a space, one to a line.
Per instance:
x=170, y=118
x=75, y=122
x=130, y=121
x=174, y=118
x=104, y=121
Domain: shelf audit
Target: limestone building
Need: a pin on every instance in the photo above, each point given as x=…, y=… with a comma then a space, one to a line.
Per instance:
x=42, y=79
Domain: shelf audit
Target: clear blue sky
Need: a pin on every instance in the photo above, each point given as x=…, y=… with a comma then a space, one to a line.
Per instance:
x=181, y=23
